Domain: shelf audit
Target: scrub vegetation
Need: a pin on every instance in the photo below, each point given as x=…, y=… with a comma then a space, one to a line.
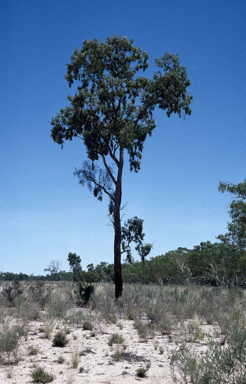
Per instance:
x=175, y=320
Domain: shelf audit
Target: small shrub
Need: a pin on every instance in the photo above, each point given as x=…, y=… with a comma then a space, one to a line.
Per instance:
x=141, y=372
x=87, y=326
x=60, y=340
x=12, y=292
x=161, y=350
x=115, y=338
x=120, y=325
x=117, y=355
x=112, y=318
x=32, y=351
x=40, y=376
x=142, y=329
x=165, y=326
x=60, y=360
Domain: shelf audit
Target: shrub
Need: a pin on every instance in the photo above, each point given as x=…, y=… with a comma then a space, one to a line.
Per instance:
x=87, y=326
x=32, y=351
x=143, y=329
x=60, y=340
x=115, y=338
x=84, y=293
x=40, y=376
x=141, y=372
x=12, y=292
x=61, y=360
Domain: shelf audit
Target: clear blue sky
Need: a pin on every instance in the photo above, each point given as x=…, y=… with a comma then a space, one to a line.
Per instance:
x=45, y=213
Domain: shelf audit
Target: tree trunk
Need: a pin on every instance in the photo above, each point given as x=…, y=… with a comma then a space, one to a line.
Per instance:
x=117, y=229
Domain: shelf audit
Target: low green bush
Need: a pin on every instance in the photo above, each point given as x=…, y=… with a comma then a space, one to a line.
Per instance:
x=87, y=326
x=60, y=340
x=115, y=338
x=40, y=376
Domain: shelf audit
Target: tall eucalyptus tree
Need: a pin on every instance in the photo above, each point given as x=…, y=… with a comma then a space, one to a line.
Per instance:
x=112, y=112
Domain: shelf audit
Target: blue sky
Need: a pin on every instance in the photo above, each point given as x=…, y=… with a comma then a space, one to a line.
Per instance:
x=45, y=213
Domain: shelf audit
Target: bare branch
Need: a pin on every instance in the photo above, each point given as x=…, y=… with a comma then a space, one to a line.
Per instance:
x=108, y=169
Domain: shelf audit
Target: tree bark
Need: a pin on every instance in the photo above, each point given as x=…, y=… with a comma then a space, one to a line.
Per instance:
x=117, y=229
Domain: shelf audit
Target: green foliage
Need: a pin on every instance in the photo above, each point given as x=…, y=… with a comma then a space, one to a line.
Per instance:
x=60, y=340
x=87, y=326
x=12, y=292
x=84, y=293
x=107, y=79
x=105, y=272
x=32, y=351
x=141, y=372
x=75, y=266
x=115, y=338
x=40, y=376
x=109, y=88
x=60, y=360
x=132, y=231
x=236, y=236
x=216, y=264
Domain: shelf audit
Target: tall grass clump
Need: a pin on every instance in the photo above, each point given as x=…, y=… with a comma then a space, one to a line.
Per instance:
x=59, y=303
x=104, y=303
x=9, y=344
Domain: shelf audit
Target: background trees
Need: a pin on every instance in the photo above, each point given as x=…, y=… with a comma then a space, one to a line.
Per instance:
x=112, y=112
x=236, y=236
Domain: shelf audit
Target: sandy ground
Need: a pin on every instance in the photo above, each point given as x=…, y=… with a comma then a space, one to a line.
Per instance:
x=97, y=363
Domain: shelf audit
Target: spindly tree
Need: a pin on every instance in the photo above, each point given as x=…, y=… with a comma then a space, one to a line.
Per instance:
x=75, y=266
x=132, y=231
x=112, y=113
x=54, y=268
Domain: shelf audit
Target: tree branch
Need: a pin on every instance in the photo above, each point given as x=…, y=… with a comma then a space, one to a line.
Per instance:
x=108, y=169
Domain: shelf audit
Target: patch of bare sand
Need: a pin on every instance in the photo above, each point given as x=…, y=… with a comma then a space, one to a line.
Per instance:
x=97, y=361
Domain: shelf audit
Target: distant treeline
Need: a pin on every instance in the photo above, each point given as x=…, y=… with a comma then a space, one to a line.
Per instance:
x=10, y=276
x=215, y=264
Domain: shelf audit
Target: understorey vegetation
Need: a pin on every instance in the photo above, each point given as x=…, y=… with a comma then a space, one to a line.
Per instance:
x=198, y=331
